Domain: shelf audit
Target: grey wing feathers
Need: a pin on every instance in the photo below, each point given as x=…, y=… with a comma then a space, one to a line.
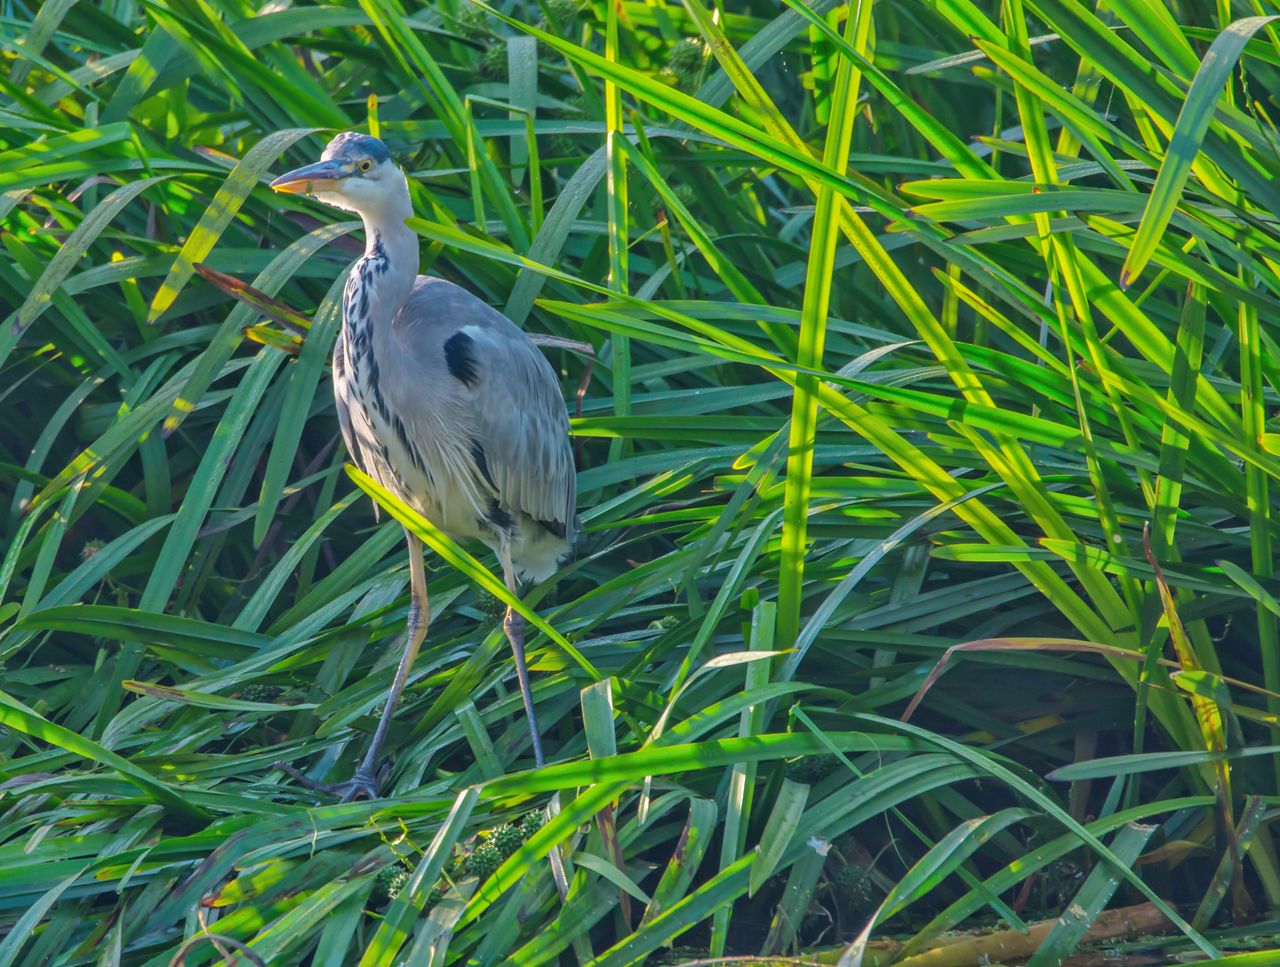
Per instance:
x=525, y=430
x=512, y=400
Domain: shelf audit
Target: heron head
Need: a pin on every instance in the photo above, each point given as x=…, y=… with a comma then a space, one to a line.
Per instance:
x=355, y=173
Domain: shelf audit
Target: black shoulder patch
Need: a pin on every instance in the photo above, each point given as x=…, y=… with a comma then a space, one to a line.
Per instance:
x=459, y=356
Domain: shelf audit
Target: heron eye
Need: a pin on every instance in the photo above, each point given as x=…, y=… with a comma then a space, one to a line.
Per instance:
x=366, y=165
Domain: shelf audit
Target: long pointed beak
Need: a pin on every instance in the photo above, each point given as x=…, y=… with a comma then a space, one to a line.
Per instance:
x=321, y=176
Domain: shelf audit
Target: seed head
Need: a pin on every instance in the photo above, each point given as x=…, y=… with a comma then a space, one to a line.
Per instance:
x=531, y=823
x=506, y=839
x=482, y=862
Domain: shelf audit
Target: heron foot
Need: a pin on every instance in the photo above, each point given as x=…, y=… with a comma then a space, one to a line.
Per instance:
x=363, y=785
x=359, y=786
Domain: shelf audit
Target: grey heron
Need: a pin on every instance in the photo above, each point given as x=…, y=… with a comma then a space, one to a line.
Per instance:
x=445, y=402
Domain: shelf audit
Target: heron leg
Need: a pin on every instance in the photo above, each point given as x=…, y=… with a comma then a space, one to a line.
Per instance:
x=365, y=782
x=513, y=625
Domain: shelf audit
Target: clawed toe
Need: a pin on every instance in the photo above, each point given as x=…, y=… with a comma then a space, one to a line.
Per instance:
x=360, y=786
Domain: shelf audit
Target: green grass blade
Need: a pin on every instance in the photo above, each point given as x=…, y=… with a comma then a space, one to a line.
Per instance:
x=1193, y=121
x=243, y=179
x=17, y=716
x=816, y=304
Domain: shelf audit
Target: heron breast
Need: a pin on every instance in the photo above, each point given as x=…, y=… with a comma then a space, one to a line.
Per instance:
x=420, y=470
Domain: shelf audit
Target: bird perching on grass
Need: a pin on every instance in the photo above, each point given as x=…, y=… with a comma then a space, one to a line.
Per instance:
x=446, y=403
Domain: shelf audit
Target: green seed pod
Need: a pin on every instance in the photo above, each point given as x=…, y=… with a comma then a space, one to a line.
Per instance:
x=564, y=10
x=811, y=768
x=685, y=61
x=531, y=823
x=256, y=692
x=506, y=839
x=482, y=862
x=665, y=623
x=489, y=605
x=399, y=879
x=384, y=881
x=493, y=63
x=472, y=23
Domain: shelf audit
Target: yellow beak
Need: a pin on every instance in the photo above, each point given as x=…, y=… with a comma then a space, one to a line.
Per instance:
x=321, y=176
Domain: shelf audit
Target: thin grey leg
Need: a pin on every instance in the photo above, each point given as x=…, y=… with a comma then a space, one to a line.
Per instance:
x=414, y=633
x=365, y=781
x=513, y=625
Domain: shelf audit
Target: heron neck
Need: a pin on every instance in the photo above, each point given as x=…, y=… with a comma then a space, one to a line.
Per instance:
x=390, y=264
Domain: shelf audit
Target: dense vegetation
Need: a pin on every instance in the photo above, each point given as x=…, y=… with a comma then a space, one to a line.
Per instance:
x=915, y=325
